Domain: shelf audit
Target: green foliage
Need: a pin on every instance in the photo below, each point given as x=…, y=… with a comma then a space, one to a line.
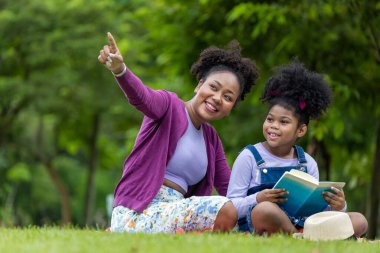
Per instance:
x=18, y=173
x=50, y=72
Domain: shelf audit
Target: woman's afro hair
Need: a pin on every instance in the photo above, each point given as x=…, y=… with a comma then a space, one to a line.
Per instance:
x=214, y=59
x=300, y=89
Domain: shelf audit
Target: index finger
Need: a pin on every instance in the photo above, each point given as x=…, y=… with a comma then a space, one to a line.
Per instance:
x=112, y=41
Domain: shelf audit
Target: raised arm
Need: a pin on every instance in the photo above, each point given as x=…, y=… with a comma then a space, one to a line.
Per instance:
x=150, y=102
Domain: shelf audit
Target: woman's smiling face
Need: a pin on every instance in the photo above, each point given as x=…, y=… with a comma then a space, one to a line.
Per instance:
x=215, y=97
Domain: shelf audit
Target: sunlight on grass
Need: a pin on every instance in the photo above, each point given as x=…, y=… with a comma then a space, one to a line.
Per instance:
x=78, y=240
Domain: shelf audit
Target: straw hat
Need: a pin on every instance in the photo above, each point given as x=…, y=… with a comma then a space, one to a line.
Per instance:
x=329, y=225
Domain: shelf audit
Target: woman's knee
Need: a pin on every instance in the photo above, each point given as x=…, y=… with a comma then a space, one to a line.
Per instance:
x=226, y=218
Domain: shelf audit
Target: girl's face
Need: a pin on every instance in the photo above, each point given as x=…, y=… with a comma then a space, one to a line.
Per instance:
x=281, y=130
x=214, y=99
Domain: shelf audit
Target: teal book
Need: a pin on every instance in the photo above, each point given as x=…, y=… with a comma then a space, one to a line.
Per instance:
x=305, y=193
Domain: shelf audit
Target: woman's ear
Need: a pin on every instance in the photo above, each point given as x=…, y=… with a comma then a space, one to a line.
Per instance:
x=198, y=86
x=301, y=131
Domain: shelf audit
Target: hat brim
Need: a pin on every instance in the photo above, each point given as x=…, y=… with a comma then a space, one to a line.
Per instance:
x=300, y=236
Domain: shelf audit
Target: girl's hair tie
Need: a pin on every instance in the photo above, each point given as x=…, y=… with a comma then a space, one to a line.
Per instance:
x=274, y=93
x=302, y=103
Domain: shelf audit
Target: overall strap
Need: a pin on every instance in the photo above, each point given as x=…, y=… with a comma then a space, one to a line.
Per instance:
x=255, y=153
x=300, y=154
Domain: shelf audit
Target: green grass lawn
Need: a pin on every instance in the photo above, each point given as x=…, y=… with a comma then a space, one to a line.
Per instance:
x=77, y=240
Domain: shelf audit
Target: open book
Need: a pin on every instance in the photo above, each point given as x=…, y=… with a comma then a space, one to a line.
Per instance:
x=305, y=193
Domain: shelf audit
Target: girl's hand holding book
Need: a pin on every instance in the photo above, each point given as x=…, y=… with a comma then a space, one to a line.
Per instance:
x=336, y=200
x=272, y=195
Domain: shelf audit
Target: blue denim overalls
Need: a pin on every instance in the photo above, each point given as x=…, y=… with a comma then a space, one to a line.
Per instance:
x=269, y=176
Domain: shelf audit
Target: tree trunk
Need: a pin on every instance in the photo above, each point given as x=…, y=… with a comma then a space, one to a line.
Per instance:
x=63, y=193
x=374, y=190
x=368, y=16
x=54, y=176
x=93, y=157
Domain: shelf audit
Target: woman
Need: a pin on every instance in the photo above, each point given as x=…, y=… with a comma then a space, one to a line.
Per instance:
x=178, y=157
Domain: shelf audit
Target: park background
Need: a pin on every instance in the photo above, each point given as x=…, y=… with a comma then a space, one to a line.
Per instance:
x=66, y=128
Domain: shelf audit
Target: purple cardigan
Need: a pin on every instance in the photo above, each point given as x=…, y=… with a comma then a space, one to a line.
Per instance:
x=163, y=125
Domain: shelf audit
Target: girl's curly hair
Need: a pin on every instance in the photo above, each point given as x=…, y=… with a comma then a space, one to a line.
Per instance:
x=215, y=59
x=298, y=89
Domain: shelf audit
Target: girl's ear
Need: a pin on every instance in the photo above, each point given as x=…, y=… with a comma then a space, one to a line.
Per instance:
x=301, y=131
x=198, y=86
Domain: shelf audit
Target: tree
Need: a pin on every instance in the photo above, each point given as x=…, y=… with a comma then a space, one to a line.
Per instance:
x=46, y=70
x=369, y=19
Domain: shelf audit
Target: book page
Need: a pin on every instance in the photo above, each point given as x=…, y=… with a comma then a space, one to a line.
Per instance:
x=304, y=175
x=338, y=185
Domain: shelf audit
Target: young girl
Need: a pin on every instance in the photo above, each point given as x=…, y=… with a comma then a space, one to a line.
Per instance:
x=177, y=155
x=294, y=96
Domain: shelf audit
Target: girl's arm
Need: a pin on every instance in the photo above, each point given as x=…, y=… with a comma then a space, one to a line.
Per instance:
x=312, y=166
x=241, y=180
